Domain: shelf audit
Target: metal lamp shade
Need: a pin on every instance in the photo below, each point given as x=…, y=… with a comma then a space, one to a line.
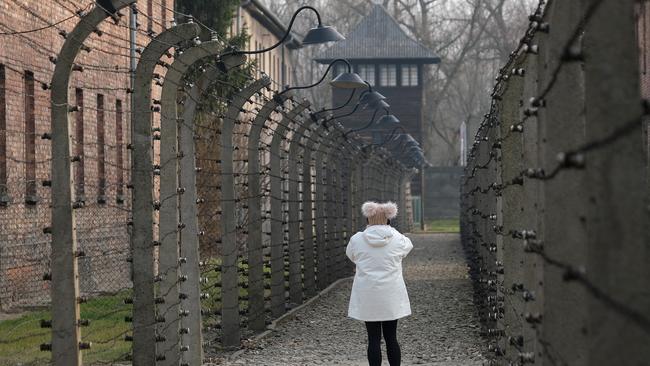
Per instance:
x=371, y=97
x=380, y=104
x=388, y=119
x=322, y=34
x=414, y=150
x=348, y=80
x=408, y=139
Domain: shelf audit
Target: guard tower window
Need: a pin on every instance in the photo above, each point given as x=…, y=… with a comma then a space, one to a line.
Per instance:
x=388, y=75
x=409, y=75
x=367, y=73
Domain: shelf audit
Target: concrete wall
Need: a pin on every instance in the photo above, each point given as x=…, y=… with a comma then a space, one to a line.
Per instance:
x=441, y=196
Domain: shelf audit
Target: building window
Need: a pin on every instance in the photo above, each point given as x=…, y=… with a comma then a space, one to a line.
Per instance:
x=388, y=75
x=30, y=139
x=367, y=73
x=3, y=138
x=409, y=75
x=101, y=160
x=79, y=146
x=149, y=16
x=163, y=13
x=119, y=158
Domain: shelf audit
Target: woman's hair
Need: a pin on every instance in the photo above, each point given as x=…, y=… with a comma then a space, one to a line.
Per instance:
x=371, y=208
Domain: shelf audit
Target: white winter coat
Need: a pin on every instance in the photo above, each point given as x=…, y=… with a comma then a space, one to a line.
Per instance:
x=378, y=290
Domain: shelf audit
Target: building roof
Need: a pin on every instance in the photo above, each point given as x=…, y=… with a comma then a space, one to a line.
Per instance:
x=378, y=36
x=270, y=21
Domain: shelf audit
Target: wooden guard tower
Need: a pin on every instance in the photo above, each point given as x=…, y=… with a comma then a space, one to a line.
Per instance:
x=393, y=63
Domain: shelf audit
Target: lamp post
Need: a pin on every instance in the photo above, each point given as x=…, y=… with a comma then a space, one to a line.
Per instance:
x=317, y=35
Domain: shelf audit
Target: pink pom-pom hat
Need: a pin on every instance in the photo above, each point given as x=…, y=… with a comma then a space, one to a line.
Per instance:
x=371, y=209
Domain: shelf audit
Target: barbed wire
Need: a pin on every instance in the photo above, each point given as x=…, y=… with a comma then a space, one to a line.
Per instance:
x=484, y=183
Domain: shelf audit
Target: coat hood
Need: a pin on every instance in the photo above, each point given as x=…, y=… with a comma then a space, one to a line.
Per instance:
x=378, y=235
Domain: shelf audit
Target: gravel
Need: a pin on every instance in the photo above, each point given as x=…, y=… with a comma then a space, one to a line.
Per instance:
x=442, y=331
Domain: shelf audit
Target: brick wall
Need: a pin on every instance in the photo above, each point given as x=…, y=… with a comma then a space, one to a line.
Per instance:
x=100, y=142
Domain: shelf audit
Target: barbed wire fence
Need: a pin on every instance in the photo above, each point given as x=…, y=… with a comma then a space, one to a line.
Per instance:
x=555, y=195
x=192, y=213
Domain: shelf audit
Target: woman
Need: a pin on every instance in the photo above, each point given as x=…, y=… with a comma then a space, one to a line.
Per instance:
x=379, y=294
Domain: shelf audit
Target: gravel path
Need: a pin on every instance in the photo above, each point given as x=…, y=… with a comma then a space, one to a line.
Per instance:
x=442, y=331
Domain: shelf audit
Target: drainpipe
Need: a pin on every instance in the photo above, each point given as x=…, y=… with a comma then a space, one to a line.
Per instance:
x=239, y=16
x=283, y=69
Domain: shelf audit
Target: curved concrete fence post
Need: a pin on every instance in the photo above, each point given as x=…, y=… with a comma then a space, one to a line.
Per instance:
x=402, y=216
x=256, y=298
x=319, y=208
x=385, y=170
x=297, y=206
x=361, y=189
x=617, y=178
x=230, y=319
x=351, y=207
x=344, y=227
x=336, y=215
x=309, y=189
x=144, y=315
x=323, y=235
x=347, y=210
x=372, y=177
x=66, y=335
x=278, y=288
x=358, y=191
x=400, y=196
x=331, y=221
x=176, y=231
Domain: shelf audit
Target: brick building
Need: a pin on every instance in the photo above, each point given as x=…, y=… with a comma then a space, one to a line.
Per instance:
x=31, y=34
x=265, y=30
x=100, y=132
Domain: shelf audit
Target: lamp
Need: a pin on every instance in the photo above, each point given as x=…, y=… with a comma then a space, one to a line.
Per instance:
x=351, y=80
x=348, y=80
x=371, y=97
x=388, y=118
x=379, y=104
x=392, y=135
x=318, y=35
x=366, y=96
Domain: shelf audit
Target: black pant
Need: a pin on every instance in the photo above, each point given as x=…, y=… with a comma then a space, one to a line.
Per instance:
x=374, y=342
